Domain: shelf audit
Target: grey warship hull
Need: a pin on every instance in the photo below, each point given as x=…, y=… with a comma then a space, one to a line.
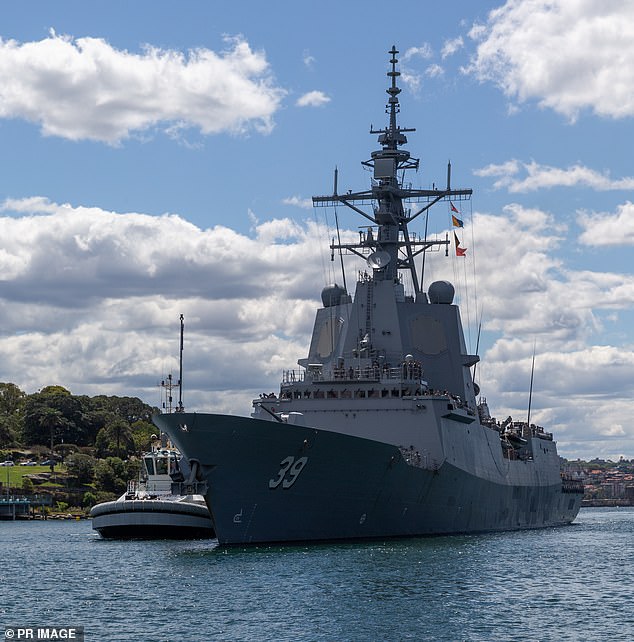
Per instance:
x=355, y=488
x=382, y=431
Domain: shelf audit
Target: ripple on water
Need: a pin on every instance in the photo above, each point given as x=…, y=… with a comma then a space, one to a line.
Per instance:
x=568, y=583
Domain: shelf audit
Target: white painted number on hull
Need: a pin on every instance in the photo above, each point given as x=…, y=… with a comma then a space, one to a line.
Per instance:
x=292, y=467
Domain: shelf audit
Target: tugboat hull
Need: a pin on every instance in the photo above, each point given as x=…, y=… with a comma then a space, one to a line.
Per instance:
x=152, y=519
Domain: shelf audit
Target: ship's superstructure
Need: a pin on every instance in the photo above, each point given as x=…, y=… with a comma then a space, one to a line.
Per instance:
x=379, y=432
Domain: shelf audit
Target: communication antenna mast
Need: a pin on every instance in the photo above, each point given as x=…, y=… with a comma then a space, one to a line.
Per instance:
x=168, y=386
x=181, y=408
x=168, y=383
x=530, y=392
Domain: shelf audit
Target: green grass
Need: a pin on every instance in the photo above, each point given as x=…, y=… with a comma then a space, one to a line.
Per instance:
x=13, y=474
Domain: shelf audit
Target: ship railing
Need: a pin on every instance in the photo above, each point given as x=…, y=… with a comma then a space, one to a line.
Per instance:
x=376, y=373
x=373, y=389
x=519, y=428
x=293, y=376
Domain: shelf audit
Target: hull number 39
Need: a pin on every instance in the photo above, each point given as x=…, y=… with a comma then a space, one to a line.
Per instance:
x=290, y=468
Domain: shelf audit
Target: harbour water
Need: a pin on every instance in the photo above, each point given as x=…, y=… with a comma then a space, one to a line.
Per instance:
x=570, y=583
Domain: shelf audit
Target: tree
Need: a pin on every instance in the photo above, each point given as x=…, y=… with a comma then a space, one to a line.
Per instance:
x=129, y=408
x=142, y=432
x=51, y=419
x=132, y=468
x=111, y=475
x=11, y=414
x=82, y=467
x=89, y=500
x=55, y=390
x=77, y=427
x=53, y=412
x=115, y=439
x=11, y=399
x=9, y=430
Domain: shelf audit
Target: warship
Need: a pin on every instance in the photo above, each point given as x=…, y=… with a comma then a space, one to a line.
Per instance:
x=381, y=431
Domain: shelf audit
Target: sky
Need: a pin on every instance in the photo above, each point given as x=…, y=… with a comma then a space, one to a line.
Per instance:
x=159, y=158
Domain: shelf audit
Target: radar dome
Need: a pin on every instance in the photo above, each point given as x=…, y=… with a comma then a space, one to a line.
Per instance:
x=331, y=295
x=441, y=292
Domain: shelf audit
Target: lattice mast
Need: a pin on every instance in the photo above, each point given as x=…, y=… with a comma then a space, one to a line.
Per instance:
x=392, y=248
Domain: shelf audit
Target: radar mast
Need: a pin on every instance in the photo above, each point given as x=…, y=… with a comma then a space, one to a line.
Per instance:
x=392, y=248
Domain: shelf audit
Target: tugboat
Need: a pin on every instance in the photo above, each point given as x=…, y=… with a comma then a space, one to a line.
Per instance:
x=380, y=433
x=149, y=510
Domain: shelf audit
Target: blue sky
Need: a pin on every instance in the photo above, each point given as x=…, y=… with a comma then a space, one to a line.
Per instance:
x=158, y=158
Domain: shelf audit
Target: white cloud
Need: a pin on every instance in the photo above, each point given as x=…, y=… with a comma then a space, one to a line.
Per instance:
x=501, y=169
x=86, y=89
x=451, y=46
x=434, y=71
x=608, y=229
x=411, y=78
x=424, y=51
x=527, y=289
x=252, y=218
x=308, y=60
x=313, y=99
x=568, y=55
x=537, y=176
x=298, y=201
x=73, y=257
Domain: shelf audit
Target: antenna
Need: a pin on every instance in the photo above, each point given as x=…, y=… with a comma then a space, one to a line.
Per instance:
x=477, y=350
x=422, y=270
x=180, y=379
x=343, y=270
x=530, y=393
x=168, y=386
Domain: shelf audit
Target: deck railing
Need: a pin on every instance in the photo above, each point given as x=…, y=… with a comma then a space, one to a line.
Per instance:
x=410, y=371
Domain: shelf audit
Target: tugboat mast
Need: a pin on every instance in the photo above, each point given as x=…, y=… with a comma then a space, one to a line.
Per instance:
x=168, y=384
x=392, y=249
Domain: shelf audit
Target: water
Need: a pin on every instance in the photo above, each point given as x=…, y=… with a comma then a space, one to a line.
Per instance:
x=571, y=583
